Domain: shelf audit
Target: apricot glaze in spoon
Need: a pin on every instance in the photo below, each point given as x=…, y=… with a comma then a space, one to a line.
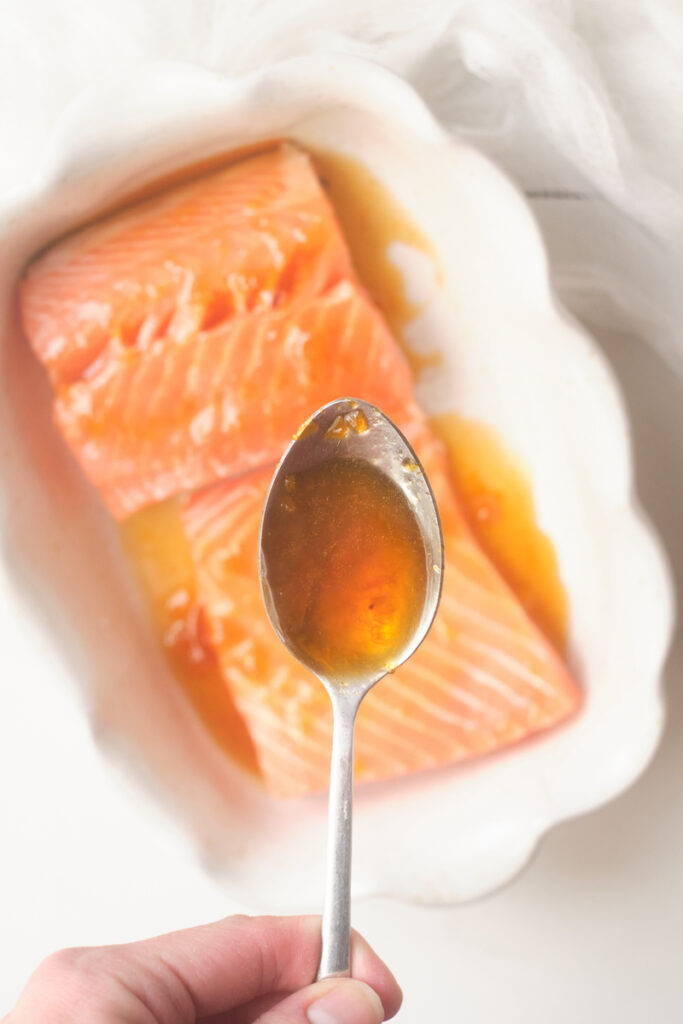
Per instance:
x=351, y=563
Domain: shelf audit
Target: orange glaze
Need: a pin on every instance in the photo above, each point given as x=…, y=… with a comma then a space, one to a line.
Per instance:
x=346, y=567
x=498, y=503
x=155, y=542
x=371, y=219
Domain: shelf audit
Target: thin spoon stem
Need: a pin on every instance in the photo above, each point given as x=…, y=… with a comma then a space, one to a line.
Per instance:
x=336, y=924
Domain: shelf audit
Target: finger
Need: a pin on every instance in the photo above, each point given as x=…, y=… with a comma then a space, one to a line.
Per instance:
x=236, y=960
x=193, y=974
x=218, y=966
x=335, y=1001
x=366, y=966
x=254, y=1012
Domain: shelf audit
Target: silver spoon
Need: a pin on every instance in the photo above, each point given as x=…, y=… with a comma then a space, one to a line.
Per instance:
x=346, y=429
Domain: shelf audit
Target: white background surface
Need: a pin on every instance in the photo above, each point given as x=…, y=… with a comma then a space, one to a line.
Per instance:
x=592, y=931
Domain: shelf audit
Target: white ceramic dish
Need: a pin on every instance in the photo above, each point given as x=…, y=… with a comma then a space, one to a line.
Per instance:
x=511, y=359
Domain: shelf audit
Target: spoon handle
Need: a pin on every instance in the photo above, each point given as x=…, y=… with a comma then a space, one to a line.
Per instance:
x=336, y=923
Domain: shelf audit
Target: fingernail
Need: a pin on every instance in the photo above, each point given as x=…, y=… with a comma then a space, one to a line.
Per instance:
x=349, y=1002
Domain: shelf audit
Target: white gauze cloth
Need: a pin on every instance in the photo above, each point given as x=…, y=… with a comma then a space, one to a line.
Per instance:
x=580, y=101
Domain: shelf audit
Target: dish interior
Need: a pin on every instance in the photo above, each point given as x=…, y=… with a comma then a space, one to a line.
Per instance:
x=491, y=348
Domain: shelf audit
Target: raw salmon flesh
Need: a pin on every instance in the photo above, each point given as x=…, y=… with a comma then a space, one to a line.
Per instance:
x=186, y=338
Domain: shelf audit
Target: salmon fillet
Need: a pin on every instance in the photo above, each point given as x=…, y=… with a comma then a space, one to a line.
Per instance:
x=147, y=321
x=483, y=678
x=193, y=412
x=186, y=339
x=249, y=238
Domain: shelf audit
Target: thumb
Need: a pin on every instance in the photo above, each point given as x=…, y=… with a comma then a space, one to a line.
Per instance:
x=334, y=1001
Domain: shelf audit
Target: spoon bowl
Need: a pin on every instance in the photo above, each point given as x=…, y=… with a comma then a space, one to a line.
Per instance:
x=353, y=430
x=351, y=566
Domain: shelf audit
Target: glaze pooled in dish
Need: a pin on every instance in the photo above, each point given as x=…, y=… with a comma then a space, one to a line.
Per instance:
x=186, y=339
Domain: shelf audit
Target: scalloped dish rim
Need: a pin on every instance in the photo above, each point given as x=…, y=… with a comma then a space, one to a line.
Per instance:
x=160, y=111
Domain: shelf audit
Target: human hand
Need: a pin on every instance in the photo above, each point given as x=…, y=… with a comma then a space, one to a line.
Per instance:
x=240, y=970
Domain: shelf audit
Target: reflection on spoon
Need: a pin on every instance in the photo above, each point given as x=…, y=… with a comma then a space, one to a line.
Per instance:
x=351, y=562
